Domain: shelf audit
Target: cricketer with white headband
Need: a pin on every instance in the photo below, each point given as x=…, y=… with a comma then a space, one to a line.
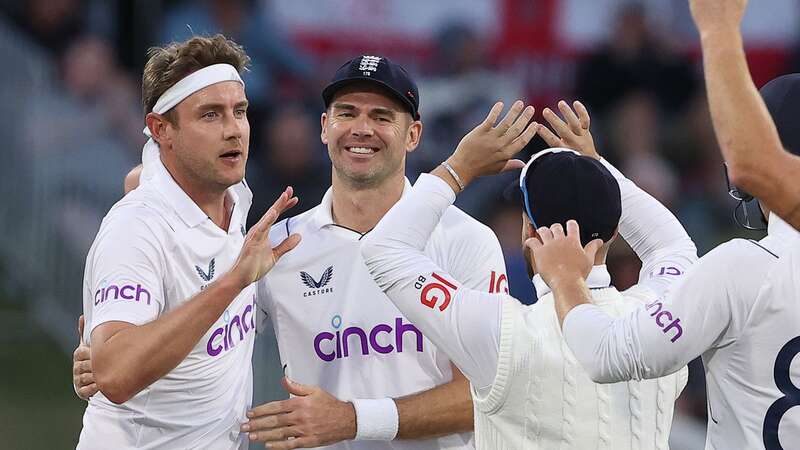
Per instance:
x=213, y=74
x=168, y=279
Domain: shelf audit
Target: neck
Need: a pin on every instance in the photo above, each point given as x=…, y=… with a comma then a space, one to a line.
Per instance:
x=213, y=202
x=361, y=208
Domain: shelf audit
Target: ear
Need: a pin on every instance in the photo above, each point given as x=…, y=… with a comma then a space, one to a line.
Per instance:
x=158, y=124
x=413, y=136
x=323, y=122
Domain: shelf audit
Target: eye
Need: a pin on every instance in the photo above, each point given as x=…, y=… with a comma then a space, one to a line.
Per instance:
x=384, y=119
x=240, y=112
x=346, y=114
x=210, y=115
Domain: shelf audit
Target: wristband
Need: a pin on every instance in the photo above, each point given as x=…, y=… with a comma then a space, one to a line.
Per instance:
x=376, y=419
x=453, y=173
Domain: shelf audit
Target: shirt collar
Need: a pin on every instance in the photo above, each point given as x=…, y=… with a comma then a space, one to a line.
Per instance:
x=598, y=278
x=184, y=206
x=323, y=215
x=778, y=228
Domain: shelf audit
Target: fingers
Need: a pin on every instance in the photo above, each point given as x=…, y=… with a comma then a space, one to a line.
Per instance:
x=533, y=243
x=545, y=234
x=85, y=392
x=266, y=423
x=286, y=245
x=557, y=230
x=80, y=367
x=573, y=229
x=510, y=118
x=520, y=123
x=522, y=140
x=559, y=126
x=301, y=442
x=549, y=137
x=494, y=113
x=592, y=248
x=284, y=202
x=276, y=407
x=275, y=436
x=583, y=114
x=572, y=119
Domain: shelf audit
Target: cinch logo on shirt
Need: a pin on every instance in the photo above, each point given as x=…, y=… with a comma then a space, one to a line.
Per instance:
x=330, y=346
x=243, y=323
x=660, y=316
x=126, y=292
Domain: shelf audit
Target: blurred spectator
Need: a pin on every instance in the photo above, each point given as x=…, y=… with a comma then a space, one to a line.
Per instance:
x=248, y=23
x=635, y=59
x=290, y=154
x=635, y=127
x=455, y=97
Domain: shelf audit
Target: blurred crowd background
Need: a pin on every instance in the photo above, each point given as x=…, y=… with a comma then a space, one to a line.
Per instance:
x=72, y=119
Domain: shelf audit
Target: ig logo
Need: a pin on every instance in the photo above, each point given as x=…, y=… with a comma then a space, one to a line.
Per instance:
x=441, y=286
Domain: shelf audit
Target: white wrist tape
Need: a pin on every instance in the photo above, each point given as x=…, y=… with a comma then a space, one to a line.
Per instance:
x=376, y=419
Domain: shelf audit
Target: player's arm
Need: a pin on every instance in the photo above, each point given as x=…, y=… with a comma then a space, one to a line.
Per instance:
x=652, y=231
x=651, y=341
x=757, y=161
x=129, y=356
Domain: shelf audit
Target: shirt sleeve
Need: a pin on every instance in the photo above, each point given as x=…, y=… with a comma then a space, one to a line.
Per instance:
x=462, y=322
x=704, y=310
x=655, y=234
x=127, y=273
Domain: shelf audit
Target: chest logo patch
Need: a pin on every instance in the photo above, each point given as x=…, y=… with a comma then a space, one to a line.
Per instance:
x=206, y=276
x=317, y=286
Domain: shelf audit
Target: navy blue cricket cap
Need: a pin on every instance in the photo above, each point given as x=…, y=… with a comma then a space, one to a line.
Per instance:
x=559, y=184
x=380, y=71
x=782, y=96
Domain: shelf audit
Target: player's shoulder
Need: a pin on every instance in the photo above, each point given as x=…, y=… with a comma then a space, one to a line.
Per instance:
x=141, y=214
x=736, y=255
x=299, y=223
x=457, y=225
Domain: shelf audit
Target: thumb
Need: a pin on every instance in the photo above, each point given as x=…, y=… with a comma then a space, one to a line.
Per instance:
x=81, y=322
x=295, y=388
x=513, y=164
x=592, y=248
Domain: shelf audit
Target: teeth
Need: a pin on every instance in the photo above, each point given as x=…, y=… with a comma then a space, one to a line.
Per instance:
x=362, y=150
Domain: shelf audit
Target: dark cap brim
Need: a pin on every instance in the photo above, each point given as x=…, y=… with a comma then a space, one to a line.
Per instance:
x=330, y=91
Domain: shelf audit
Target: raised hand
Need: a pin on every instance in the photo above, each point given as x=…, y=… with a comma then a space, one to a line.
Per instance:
x=488, y=148
x=560, y=256
x=311, y=418
x=717, y=15
x=257, y=256
x=571, y=132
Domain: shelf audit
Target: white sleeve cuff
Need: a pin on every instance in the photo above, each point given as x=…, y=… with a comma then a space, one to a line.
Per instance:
x=435, y=185
x=376, y=419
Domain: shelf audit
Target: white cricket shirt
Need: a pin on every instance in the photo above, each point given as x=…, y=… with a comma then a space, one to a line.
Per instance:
x=529, y=391
x=336, y=329
x=154, y=251
x=738, y=307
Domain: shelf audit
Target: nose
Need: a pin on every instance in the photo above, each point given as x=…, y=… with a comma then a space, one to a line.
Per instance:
x=362, y=126
x=232, y=127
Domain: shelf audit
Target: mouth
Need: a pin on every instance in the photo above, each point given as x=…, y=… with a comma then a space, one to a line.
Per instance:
x=231, y=156
x=362, y=150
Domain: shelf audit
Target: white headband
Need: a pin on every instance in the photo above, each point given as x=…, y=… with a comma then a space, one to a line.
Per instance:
x=187, y=86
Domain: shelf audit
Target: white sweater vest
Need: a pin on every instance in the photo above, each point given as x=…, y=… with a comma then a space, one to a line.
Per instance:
x=542, y=399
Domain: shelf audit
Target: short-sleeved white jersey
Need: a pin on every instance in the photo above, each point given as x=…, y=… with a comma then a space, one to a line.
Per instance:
x=155, y=250
x=336, y=329
x=739, y=308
